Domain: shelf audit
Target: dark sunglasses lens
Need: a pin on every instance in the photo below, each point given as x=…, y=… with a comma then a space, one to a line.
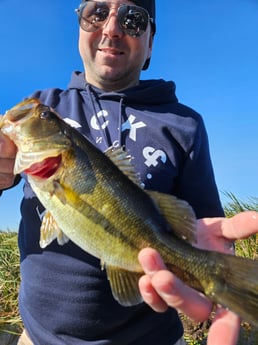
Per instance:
x=93, y=15
x=133, y=20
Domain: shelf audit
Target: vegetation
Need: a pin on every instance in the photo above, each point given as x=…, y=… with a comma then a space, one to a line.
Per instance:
x=195, y=334
x=10, y=321
x=247, y=247
x=9, y=279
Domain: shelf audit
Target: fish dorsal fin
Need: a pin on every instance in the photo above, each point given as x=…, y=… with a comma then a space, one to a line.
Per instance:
x=50, y=231
x=178, y=213
x=124, y=286
x=124, y=162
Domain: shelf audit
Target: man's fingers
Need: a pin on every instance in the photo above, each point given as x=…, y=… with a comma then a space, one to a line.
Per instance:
x=150, y=296
x=6, y=166
x=7, y=158
x=241, y=225
x=160, y=288
x=7, y=147
x=151, y=261
x=224, y=329
x=6, y=180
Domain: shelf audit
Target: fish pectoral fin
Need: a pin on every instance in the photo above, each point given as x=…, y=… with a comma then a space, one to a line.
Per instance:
x=62, y=238
x=49, y=231
x=178, y=213
x=59, y=192
x=124, y=286
x=124, y=162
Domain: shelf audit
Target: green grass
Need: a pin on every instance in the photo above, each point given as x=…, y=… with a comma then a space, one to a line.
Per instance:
x=195, y=334
x=9, y=282
x=247, y=247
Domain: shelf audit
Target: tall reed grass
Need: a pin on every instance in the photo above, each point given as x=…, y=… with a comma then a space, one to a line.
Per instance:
x=9, y=282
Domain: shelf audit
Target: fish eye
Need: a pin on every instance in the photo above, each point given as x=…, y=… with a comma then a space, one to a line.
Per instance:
x=45, y=113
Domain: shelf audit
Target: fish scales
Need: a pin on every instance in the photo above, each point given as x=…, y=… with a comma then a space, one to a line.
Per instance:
x=100, y=208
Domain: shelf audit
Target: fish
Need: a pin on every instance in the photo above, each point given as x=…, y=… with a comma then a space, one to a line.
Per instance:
x=97, y=201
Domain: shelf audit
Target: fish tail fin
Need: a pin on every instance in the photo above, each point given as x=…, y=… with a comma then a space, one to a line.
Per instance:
x=234, y=285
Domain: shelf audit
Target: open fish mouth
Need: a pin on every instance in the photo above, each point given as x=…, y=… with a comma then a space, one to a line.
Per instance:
x=45, y=168
x=40, y=164
x=6, y=126
x=16, y=115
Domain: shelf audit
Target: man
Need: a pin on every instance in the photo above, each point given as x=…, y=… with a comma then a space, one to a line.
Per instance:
x=65, y=297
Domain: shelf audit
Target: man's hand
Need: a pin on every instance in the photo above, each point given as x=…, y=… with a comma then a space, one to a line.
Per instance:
x=161, y=289
x=7, y=158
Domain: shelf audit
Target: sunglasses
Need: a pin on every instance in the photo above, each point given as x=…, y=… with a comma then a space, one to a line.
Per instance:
x=133, y=20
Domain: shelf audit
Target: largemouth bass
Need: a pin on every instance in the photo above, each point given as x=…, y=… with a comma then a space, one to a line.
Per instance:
x=96, y=200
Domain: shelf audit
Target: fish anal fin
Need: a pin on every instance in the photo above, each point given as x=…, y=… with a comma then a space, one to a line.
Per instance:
x=124, y=162
x=124, y=286
x=178, y=213
x=50, y=231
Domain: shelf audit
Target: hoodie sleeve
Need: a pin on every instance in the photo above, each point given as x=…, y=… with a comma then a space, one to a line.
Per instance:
x=197, y=182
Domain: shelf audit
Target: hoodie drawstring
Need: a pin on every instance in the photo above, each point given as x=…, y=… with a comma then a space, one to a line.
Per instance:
x=105, y=132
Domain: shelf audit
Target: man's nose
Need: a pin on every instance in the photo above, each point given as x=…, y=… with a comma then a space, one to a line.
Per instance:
x=112, y=27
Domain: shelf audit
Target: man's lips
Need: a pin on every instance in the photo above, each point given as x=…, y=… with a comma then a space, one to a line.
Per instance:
x=111, y=51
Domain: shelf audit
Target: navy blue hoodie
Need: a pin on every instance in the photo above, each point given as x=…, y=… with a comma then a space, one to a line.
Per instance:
x=65, y=297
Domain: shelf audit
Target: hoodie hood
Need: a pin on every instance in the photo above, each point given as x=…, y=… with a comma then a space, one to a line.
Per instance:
x=148, y=92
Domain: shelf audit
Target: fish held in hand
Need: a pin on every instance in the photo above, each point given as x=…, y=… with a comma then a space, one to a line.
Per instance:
x=96, y=200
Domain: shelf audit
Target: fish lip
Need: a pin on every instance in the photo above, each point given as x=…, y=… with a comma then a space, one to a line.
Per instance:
x=9, y=124
x=6, y=128
x=19, y=114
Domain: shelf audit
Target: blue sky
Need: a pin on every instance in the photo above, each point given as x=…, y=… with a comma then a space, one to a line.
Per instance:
x=209, y=48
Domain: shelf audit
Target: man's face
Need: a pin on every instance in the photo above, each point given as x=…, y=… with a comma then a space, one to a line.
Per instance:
x=112, y=59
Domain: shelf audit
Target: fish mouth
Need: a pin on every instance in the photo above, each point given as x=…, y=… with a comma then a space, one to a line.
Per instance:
x=6, y=127
x=21, y=112
x=45, y=168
